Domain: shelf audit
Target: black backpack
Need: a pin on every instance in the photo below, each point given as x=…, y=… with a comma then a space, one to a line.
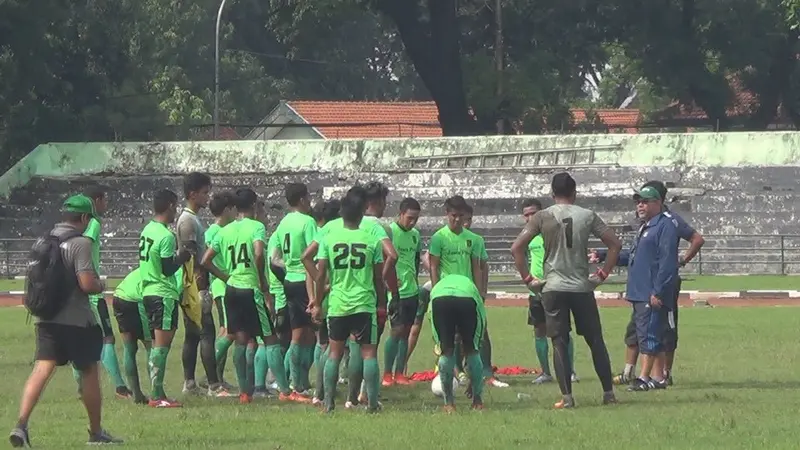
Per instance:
x=48, y=282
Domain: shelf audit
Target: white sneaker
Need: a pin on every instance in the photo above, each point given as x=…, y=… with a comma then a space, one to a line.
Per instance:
x=274, y=385
x=542, y=379
x=575, y=378
x=494, y=382
x=349, y=405
x=316, y=402
x=343, y=380
x=270, y=377
x=189, y=387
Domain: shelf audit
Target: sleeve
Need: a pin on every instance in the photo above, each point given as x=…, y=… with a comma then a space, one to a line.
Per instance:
x=216, y=243
x=685, y=231
x=166, y=247
x=322, y=253
x=377, y=251
x=310, y=232
x=93, y=230
x=435, y=246
x=380, y=232
x=598, y=226
x=319, y=235
x=419, y=242
x=483, y=255
x=667, y=260
x=82, y=249
x=260, y=233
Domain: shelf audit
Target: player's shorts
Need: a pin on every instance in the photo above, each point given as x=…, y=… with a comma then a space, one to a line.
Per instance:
x=132, y=318
x=453, y=316
x=66, y=343
x=162, y=313
x=536, y=315
x=582, y=306
x=424, y=301
x=100, y=309
x=322, y=333
x=362, y=326
x=246, y=312
x=297, y=304
x=220, y=302
x=404, y=311
x=652, y=325
x=282, y=326
x=206, y=318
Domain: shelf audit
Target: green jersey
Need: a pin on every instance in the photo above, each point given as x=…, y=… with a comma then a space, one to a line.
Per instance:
x=368, y=223
x=455, y=251
x=156, y=243
x=93, y=233
x=296, y=232
x=275, y=286
x=217, y=285
x=536, y=257
x=480, y=247
x=130, y=288
x=351, y=255
x=408, y=244
x=234, y=243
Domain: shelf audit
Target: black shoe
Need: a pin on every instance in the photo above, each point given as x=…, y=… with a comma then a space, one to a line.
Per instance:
x=19, y=437
x=655, y=384
x=639, y=385
x=102, y=438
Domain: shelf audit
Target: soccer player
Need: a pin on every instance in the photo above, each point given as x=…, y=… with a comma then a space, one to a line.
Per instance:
x=72, y=335
x=191, y=235
x=567, y=287
x=133, y=327
x=351, y=258
x=457, y=309
x=241, y=245
x=98, y=302
x=295, y=233
x=223, y=208
x=483, y=284
x=536, y=316
x=403, y=310
x=158, y=262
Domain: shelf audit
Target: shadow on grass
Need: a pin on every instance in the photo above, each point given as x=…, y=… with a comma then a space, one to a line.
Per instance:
x=745, y=384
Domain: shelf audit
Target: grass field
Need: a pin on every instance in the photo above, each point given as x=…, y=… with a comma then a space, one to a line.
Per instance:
x=510, y=283
x=736, y=387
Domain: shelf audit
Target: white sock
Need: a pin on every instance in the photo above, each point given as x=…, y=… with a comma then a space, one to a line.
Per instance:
x=629, y=369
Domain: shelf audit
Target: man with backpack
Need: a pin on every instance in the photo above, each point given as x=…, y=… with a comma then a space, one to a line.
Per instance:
x=66, y=328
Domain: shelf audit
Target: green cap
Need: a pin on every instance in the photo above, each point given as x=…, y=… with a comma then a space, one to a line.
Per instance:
x=80, y=204
x=647, y=193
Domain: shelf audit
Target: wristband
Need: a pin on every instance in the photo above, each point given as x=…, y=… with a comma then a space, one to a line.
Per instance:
x=600, y=274
x=527, y=279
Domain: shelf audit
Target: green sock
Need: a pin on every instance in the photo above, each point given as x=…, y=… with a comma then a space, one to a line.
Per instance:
x=543, y=354
x=390, y=354
x=295, y=363
x=275, y=362
x=355, y=372
x=250, y=359
x=240, y=365
x=305, y=368
x=446, y=366
x=129, y=350
x=475, y=366
x=317, y=352
x=571, y=353
x=261, y=367
x=372, y=378
x=287, y=363
x=158, y=366
x=402, y=354
x=457, y=355
x=111, y=364
x=331, y=375
x=320, y=374
x=221, y=347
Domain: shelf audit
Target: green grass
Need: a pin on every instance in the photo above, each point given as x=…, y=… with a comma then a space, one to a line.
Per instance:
x=733, y=390
x=510, y=283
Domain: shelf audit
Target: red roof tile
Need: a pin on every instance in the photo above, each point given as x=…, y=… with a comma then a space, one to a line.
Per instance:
x=396, y=119
x=618, y=120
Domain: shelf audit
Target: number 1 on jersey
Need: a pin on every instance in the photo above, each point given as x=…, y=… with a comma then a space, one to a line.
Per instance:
x=241, y=258
x=568, y=231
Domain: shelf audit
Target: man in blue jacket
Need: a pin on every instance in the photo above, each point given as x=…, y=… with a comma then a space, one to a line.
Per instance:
x=652, y=280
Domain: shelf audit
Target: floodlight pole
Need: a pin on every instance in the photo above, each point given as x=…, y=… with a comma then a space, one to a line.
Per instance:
x=216, y=71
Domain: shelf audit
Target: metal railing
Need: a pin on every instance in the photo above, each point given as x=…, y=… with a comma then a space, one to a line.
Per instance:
x=722, y=254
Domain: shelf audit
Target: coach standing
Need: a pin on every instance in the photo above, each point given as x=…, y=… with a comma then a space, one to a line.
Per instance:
x=652, y=280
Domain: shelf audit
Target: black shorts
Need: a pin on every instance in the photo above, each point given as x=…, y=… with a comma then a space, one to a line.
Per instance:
x=297, y=304
x=100, y=310
x=282, y=326
x=404, y=312
x=132, y=318
x=322, y=333
x=651, y=327
x=161, y=312
x=363, y=327
x=536, y=316
x=457, y=316
x=557, y=307
x=246, y=312
x=206, y=318
x=66, y=343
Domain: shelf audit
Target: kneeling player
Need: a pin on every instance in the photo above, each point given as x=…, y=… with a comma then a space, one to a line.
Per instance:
x=352, y=259
x=133, y=327
x=457, y=308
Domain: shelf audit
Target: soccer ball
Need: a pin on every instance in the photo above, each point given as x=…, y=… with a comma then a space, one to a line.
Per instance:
x=436, y=386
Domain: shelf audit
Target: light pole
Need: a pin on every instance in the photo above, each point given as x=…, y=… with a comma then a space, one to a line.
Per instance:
x=216, y=72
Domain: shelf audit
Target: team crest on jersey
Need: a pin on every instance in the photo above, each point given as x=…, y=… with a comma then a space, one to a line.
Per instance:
x=414, y=239
x=469, y=242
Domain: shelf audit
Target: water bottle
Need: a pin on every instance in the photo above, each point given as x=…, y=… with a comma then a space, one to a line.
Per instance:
x=524, y=396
